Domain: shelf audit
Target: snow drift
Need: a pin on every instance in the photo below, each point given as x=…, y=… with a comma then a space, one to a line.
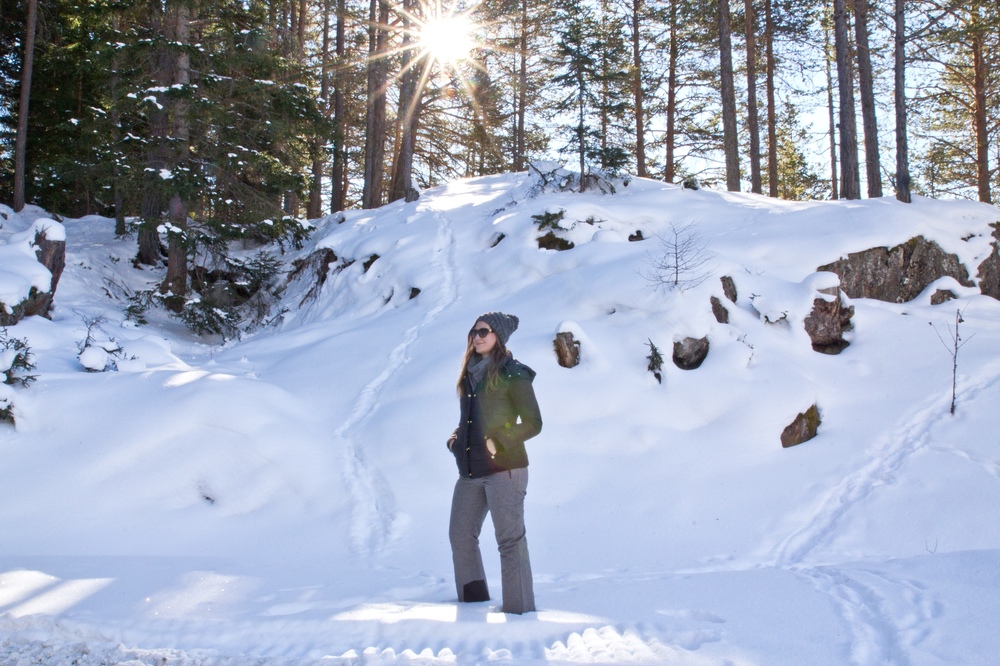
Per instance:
x=283, y=499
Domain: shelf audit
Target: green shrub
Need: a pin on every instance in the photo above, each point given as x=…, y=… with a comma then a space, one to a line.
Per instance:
x=15, y=364
x=548, y=220
x=655, y=362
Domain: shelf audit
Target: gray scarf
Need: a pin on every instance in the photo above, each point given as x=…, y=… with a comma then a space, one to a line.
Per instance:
x=476, y=369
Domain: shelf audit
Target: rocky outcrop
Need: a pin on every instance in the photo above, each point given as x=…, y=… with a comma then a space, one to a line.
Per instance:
x=312, y=270
x=690, y=353
x=51, y=254
x=827, y=322
x=802, y=429
x=989, y=270
x=897, y=274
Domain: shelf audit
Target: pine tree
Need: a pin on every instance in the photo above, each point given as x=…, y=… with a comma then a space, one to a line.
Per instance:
x=377, y=68
x=964, y=128
x=615, y=97
x=850, y=179
x=866, y=88
x=578, y=69
x=899, y=103
x=730, y=140
x=796, y=178
x=753, y=126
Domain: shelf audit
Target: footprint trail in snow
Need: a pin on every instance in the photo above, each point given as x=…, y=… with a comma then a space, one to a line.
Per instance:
x=374, y=510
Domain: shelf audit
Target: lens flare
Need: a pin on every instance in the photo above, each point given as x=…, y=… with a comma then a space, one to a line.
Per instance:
x=448, y=39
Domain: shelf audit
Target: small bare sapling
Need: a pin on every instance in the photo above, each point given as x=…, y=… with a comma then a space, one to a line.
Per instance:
x=956, y=343
x=684, y=259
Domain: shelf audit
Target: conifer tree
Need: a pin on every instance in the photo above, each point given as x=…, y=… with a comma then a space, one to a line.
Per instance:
x=963, y=128
x=850, y=179
x=578, y=70
x=866, y=87
x=377, y=67
x=753, y=126
x=727, y=89
x=615, y=94
x=899, y=103
x=21, y=142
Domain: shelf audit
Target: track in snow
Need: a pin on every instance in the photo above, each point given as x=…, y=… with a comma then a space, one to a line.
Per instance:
x=911, y=435
x=374, y=509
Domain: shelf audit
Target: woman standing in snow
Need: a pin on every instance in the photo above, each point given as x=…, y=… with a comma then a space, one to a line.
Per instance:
x=498, y=413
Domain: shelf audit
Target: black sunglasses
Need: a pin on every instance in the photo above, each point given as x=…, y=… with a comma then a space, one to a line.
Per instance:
x=481, y=332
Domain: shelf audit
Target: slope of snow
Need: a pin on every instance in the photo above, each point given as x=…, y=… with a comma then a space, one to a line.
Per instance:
x=283, y=499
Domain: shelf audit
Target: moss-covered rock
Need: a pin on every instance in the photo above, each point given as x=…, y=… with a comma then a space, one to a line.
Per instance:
x=802, y=429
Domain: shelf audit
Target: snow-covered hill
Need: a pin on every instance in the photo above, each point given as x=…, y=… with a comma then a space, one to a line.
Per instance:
x=284, y=499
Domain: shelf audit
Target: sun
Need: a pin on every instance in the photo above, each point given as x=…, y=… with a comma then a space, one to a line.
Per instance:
x=448, y=38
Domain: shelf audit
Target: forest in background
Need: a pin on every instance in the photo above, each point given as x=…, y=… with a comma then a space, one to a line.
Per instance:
x=214, y=120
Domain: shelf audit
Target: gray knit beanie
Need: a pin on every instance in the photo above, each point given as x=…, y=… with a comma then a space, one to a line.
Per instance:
x=502, y=324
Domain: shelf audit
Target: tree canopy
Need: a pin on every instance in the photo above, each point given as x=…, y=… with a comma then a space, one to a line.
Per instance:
x=250, y=113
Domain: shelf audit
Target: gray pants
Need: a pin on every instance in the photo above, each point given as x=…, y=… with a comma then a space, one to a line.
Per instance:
x=502, y=496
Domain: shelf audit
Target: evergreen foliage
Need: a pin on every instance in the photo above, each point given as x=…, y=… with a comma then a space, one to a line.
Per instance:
x=15, y=360
x=655, y=361
x=961, y=120
x=208, y=122
x=548, y=219
x=577, y=75
x=15, y=364
x=94, y=118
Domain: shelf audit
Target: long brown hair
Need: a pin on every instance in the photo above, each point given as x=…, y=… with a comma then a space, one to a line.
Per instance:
x=498, y=355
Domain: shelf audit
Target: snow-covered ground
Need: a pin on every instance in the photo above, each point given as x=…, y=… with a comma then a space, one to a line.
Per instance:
x=284, y=499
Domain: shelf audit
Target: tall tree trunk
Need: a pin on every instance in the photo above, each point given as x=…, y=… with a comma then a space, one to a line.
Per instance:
x=175, y=281
x=301, y=38
x=408, y=116
x=980, y=117
x=315, y=207
x=605, y=116
x=850, y=178
x=831, y=110
x=637, y=92
x=753, y=127
x=297, y=51
x=272, y=17
x=21, y=140
x=339, y=174
x=293, y=29
x=669, y=168
x=153, y=202
x=581, y=133
x=520, y=140
x=375, y=125
x=115, y=114
x=772, y=111
x=730, y=141
x=902, y=150
x=866, y=85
